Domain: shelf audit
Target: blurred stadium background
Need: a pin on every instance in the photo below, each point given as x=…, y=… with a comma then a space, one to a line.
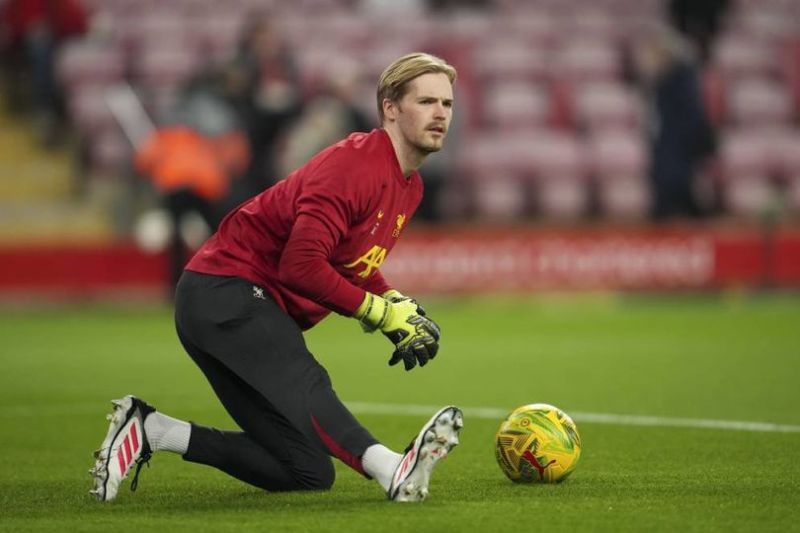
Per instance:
x=537, y=248
x=550, y=148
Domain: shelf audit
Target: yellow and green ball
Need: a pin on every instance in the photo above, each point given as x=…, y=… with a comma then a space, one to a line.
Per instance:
x=537, y=443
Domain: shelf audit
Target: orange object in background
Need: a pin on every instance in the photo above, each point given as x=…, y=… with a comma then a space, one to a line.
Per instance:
x=178, y=157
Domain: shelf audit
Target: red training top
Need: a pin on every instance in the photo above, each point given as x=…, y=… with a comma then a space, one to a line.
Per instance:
x=315, y=240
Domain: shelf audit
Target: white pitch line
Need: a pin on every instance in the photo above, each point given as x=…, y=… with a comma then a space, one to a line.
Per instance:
x=495, y=413
x=487, y=413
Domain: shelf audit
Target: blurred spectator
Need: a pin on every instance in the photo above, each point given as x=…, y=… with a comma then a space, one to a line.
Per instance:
x=262, y=83
x=31, y=31
x=444, y=6
x=679, y=131
x=419, y=6
x=328, y=117
x=407, y=7
x=191, y=161
x=699, y=21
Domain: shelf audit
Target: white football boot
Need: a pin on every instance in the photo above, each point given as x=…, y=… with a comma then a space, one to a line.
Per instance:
x=124, y=447
x=433, y=443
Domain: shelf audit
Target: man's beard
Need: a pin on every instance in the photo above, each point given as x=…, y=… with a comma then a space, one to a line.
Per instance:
x=428, y=149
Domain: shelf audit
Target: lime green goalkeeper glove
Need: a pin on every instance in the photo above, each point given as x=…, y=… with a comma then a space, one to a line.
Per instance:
x=396, y=296
x=416, y=337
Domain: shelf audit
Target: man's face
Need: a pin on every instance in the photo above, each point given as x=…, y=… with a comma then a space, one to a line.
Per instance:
x=423, y=114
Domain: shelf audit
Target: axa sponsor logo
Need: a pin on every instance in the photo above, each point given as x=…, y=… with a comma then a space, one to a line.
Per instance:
x=372, y=260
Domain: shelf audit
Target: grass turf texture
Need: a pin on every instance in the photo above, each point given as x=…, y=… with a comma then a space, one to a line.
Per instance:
x=721, y=357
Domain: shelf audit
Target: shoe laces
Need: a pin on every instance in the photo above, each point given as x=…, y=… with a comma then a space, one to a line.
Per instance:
x=143, y=460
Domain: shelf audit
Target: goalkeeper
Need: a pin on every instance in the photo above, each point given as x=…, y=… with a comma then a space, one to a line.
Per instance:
x=278, y=264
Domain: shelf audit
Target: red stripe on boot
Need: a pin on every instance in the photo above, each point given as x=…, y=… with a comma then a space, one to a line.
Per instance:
x=336, y=449
x=122, y=463
x=127, y=446
x=135, y=437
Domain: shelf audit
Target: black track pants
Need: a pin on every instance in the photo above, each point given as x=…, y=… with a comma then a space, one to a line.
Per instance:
x=256, y=360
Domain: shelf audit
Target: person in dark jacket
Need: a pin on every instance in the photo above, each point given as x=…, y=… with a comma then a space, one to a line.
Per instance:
x=31, y=33
x=680, y=134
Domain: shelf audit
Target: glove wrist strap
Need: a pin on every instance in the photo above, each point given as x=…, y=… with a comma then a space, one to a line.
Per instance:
x=373, y=312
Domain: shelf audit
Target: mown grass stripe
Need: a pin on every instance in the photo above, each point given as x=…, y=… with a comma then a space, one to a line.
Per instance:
x=495, y=413
x=488, y=413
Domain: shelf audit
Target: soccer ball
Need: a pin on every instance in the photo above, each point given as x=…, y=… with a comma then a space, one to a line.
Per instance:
x=537, y=443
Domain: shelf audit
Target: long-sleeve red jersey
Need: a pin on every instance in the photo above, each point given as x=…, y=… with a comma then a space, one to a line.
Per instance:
x=315, y=241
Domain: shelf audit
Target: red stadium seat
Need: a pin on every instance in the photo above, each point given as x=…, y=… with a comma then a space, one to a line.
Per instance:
x=785, y=155
x=591, y=22
x=336, y=27
x=604, y=105
x=500, y=197
x=769, y=20
x=759, y=102
x=511, y=59
x=560, y=170
x=89, y=62
x=501, y=168
x=790, y=67
x=89, y=111
x=749, y=196
x=380, y=53
x=744, y=152
x=745, y=159
x=531, y=23
x=499, y=152
x=516, y=104
x=219, y=33
x=158, y=66
x=462, y=25
x=738, y=55
x=587, y=60
x=548, y=166
x=147, y=28
x=618, y=159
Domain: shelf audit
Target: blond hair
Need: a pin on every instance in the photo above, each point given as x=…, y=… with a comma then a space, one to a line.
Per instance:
x=393, y=83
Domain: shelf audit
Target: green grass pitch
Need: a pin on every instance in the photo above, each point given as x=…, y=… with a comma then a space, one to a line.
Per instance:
x=717, y=357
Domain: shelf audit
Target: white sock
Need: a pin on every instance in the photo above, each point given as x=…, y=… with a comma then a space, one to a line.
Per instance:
x=380, y=463
x=167, y=434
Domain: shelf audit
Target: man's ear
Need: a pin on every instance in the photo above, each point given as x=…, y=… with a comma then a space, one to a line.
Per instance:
x=390, y=109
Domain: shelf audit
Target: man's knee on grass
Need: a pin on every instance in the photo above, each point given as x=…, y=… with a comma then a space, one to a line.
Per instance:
x=318, y=474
